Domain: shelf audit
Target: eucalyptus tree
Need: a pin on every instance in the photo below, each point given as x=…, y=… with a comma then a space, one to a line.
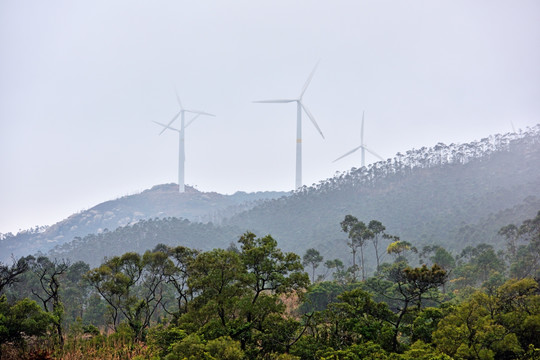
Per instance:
x=181, y=258
x=312, y=258
x=378, y=231
x=527, y=261
x=133, y=286
x=358, y=233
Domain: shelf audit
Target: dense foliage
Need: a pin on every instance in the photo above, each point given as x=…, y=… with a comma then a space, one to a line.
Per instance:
x=254, y=301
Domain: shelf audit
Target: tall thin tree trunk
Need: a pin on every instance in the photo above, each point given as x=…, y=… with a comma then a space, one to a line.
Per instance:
x=362, y=262
x=377, y=254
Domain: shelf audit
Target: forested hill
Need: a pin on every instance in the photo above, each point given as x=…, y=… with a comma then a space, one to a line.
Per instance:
x=145, y=235
x=454, y=195
x=161, y=201
x=436, y=195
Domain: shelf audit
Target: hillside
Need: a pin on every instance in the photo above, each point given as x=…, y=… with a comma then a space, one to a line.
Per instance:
x=455, y=195
x=145, y=235
x=438, y=195
x=161, y=201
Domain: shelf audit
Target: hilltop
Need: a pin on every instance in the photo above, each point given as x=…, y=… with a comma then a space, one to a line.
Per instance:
x=161, y=201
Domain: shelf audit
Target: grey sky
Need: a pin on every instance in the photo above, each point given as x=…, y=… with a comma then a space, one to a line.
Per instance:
x=81, y=81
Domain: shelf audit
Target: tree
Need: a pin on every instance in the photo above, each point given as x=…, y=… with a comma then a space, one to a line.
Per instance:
x=406, y=288
x=215, y=280
x=378, y=231
x=440, y=256
x=338, y=270
x=511, y=233
x=477, y=264
x=523, y=244
x=182, y=258
x=20, y=320
x=398, y=248
x=10, y=274
x=516, y=306
x=132, y=286
x=472, y=332
x=346, y=226
x=271, y=272
x=357, y=318
x=238, y=293
x=268, y=268
x=75, y=291
x=49, y=274
x=313, y=258
x=421, y=280
x=358, y=233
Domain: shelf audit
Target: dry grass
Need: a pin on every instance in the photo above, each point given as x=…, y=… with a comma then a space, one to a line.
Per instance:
x=104, y=348
x=96, y=348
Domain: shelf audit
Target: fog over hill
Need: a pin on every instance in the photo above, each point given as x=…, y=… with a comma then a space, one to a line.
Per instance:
x=454, y=195
x=161, y=201
x=438, y=195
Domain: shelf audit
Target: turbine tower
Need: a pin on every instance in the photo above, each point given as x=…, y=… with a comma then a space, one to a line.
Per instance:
x=299, y=107
x=181, y=131
x=362, y=146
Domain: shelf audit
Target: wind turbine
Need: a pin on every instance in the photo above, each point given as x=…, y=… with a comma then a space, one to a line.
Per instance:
x=299, y=107
x=183, y=126
x=362, y=146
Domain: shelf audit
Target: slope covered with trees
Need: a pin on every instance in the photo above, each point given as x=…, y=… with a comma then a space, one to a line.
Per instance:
x=456, y=195
x=143, y=235
x=437, y=195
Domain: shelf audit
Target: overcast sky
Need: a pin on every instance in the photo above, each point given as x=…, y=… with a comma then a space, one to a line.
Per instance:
x=82, y=81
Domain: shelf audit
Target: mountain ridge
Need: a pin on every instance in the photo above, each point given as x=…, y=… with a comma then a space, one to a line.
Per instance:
x=160, y=201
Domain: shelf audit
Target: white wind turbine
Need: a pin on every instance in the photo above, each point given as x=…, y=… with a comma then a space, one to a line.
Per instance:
x=362, y=146
x=299, y=107
x=183, y=126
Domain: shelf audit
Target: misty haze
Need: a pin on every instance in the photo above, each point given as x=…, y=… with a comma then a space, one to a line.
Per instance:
x=242, y=180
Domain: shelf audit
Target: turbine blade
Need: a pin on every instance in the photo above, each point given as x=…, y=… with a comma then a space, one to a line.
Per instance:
x=372, y=153
x=311, y=118
x=192, y=120
x=178, y=99
x=199, y=112
x=308, y=80
x=349, y=153
x=165, y=127
x=277, y=101
x=170, y=122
